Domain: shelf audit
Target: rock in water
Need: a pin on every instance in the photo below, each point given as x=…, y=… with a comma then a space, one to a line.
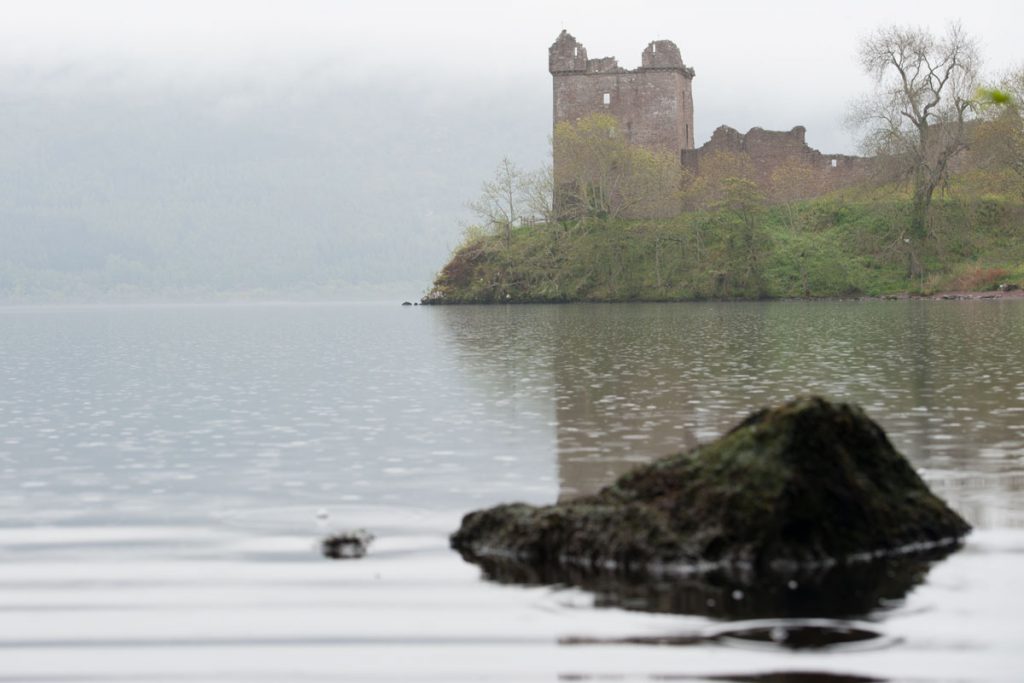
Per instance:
x=808, y=483
x=347, y=545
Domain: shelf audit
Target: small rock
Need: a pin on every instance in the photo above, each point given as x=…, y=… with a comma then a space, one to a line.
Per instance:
x=407, y=303
x=347, y=545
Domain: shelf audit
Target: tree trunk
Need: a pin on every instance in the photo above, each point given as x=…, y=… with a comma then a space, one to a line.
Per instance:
x=923, y=189
x=657, y=262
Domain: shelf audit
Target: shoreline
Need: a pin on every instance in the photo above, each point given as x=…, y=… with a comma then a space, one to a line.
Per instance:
x=903, y=296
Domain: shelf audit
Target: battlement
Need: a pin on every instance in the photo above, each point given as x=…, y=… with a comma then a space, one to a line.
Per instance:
x=654, y=102
x=567, y=55
x=663, y=54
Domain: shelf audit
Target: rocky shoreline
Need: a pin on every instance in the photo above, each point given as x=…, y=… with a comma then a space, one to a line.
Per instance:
x=996, y=295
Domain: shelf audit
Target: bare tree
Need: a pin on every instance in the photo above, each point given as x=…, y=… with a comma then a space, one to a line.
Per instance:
x=922, y=100
x=500, y=201
x=539, y=190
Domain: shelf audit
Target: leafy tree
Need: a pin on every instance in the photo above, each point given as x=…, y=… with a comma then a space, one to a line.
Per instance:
x=742, y=204
x=916, y=117
x=598, y=174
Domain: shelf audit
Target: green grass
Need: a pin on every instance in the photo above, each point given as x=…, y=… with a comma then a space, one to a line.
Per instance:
x=827, y=247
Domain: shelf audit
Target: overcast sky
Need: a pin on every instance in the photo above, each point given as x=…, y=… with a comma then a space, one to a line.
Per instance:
x=775, y=64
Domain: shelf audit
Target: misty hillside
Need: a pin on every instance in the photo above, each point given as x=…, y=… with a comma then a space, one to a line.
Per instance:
x=165, y=194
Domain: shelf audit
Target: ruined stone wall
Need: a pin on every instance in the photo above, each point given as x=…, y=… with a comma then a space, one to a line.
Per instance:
x=653, y=103
x=654, y=107
x=770, y=150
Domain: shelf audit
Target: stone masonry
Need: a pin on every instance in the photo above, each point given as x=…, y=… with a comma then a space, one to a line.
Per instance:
x=653, y=103
x=654, y=106
x=771, y=149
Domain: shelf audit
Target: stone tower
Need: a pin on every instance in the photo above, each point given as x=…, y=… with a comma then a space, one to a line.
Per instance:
x=653, y=103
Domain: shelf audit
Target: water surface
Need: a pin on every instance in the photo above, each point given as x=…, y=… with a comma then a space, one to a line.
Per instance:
x=165, y=473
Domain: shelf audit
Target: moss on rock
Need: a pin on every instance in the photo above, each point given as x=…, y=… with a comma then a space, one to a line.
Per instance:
x=807, y=483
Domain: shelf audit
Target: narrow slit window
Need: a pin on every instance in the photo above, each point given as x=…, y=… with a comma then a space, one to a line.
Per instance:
x=834, y=163
x=607, y=98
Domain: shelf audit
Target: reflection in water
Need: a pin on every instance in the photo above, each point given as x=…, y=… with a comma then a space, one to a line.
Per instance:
x=161, y=471
x=632, y=383
x=937, y=378
x=180, y=414
x=797, y=677
x=789, y=634
x=839, y=592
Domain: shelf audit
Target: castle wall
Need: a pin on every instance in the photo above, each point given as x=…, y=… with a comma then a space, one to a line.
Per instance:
x=770, y=151
x=654, y=107
x=654, y=103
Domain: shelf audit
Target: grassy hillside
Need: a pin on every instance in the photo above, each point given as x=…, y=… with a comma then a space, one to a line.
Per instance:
x=827, y=247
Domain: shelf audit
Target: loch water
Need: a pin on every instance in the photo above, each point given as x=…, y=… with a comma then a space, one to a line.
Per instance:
x=166, y=473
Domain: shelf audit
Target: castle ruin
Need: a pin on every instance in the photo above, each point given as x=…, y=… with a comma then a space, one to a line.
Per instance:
x=769, y=150
x=654, y=107
x=654, y=103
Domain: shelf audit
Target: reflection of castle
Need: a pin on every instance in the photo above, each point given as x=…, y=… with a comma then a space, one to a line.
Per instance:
x=646, y=386
x=582, y=394
x=600, y=440
x=654, y=105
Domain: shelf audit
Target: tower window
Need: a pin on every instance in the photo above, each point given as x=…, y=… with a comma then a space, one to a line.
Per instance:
x=834, y=163
x=607, y=98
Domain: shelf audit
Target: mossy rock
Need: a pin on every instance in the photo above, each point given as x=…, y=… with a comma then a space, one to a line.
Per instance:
x=809, y=483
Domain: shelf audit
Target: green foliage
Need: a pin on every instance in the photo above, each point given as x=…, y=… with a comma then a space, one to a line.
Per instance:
x=993, y=96
x=743, y=248
x=997, y=141
x=599, y=174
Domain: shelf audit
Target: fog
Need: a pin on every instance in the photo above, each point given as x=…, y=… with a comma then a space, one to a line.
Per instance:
x=327, y=149
x=186, y=193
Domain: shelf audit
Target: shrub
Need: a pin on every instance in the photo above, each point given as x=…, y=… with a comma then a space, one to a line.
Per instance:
x=980, y=279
